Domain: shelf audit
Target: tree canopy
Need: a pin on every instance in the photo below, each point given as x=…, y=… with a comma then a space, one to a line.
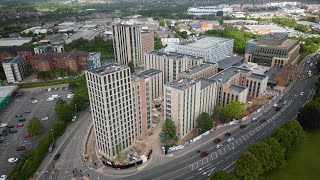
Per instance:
x=262, y=152
x=295, y=129
x=291, y=23
x=35, y=127
x=204, y=122
x=277, y=156
x=248, y=166
x=240, y=37
x=285, y=139
x=234, y=110
x=309, y=115
x=157, y=44
x=63, y=110
x=98, y=44
x=169, y=130
x=223, y=175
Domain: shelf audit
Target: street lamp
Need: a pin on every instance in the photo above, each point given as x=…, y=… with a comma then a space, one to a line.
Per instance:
x=52, y=135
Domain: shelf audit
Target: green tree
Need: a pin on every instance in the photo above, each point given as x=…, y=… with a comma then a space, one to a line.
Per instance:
x=295, y=129
x=160, y=20
x=157, y=44
x=223, y=175
x=277, y=156
x=285, y=139
x=64, y=111
x=131, y=66
x=35, y=127
x=204, y=122
x=262, y=152
x=309, y=114
x=248, y=167
x=234, y=110
x=169, y=130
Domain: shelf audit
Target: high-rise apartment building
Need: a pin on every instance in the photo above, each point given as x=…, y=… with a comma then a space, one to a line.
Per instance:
x=186, y=99
x=148, y=85
x=94, y=60
x=15, y=68
x=171, y=64
x=204, y=70
x=110, y=89
x=130, y=42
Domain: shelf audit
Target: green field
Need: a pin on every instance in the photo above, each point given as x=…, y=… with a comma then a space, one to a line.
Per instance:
x=304, y=164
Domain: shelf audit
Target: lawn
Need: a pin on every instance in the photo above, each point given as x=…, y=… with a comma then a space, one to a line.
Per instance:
x=304, y=164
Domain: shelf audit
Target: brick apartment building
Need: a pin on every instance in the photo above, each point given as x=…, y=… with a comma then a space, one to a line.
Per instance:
x=75, y=60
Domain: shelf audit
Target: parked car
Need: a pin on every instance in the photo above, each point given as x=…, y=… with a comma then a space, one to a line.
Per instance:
x=3, y=177
x=302, y=93
x=74, y=118
x=27, y=136
x=13, y=131
x=278, y=109
x=44, y=118
x=34, y=101
x=217, y=141
x=11, y=160
x=19, y=125
x=10, y=126
x=20, y=120
x=18, y=115
x=56, y=157
x=22, y=148
x=27, y=111
x=254, y=119
x=227, y=134
x=243, y=126
x=51, y=147
x=219, y=146
x=3, y=125
x=230, y=140
x=1, y=141
x=204, y=154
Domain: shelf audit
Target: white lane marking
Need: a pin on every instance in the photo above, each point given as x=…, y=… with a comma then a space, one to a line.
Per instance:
x=237, y=142
x=228, y=157
x=237, y=152
x=220, y=162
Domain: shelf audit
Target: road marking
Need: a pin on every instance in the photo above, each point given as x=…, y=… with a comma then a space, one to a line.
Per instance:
x=228, y=146
x=220, y=162
x=233, y=146
x=224, y=151
x=189, y=177
x=243, y=137
x=211, y=171
x=257, y=137
x=237, y=142
x=240, y=140
x=220, y=151
x=264, y=132
x=251, y=142
x=237, y=152
x=228, y=157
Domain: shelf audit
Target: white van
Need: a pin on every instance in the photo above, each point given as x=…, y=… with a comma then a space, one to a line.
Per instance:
x=50, y=99
x=49, y=89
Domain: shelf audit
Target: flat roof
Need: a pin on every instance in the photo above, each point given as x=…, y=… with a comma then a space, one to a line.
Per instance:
x=6, y=91
x=14, y=41
x=230, y=61
x=205, y=82
x=257, y=76
x=107, y=69
x=274, y=36
x=146, y=74
x=207, y=42
x=235, y=88
x=225, y=75
x=196, y=69
x=239, y=20
x=182, y=83
x=263, y=27
x=173, y=55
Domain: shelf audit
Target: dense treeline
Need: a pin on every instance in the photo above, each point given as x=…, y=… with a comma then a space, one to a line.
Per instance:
x=267, y=155
x=291, y=23
x=240, y=37
x=98, y=44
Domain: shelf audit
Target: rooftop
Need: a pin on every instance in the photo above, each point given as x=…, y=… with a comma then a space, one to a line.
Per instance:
x=12, y=59
x=263, y=27
x=146, y=74
x=274, y=36
x=239, y=20
x=257, y=76
x=174, y=55
x=181, y=84
x=107, y=69
x=225, y=75
x=235, y=88
x=196, y=69
x=206, y=42
x=230, y=61
x=14, y=41
x=205, y=82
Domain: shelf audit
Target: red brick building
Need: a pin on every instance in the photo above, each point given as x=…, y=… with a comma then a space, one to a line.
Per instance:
x=75, y=60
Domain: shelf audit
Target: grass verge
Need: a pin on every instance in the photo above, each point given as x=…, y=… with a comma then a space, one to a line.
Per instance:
x=46, y=83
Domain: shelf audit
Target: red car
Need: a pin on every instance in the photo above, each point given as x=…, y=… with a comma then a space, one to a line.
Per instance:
x=204, y=154
x=21, y=149
x=20, y=125
x=217, y=141
x=28, y=136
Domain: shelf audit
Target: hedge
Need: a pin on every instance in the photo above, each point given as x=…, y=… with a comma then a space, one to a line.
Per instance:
x=45, y=83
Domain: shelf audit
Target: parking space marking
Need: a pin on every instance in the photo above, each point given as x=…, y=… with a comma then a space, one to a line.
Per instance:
x=237, y=142
x=228, y=146
x=269, y=120
x=224, y=150
x=233, y=146
x=240, y=140
x=243, y=137
x=220, y=151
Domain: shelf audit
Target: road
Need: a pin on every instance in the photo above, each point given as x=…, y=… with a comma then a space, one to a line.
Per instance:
x=190, y=165
x=17, y=106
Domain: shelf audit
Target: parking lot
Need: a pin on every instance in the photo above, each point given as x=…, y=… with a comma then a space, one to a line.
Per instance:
x=21, y=106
